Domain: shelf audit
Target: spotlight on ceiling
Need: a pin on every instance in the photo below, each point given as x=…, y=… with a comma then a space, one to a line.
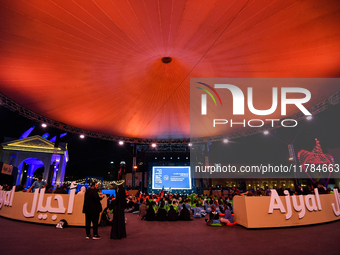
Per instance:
x=43, y=125
x=309, y=117
x=82, y=136
x=190, y=144
x=120, y=142
x=153, y=145
x=291, y=158
x=266, y=132
x=225, y=140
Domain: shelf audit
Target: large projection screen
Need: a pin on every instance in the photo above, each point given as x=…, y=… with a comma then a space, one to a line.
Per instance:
x=174, y=177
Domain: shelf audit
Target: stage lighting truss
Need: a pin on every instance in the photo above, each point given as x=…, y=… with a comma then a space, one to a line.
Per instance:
x=15, y=107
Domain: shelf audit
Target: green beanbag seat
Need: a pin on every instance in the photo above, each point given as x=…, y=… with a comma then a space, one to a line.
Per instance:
x=216, y=225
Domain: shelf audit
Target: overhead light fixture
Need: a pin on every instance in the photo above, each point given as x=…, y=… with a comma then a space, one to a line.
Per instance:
x=190, y=144
x=266, y=132
x=153, y=145
x=82, y=136
x=43, y=125
x=309, y=117
x=225, y=140
x=120, y=142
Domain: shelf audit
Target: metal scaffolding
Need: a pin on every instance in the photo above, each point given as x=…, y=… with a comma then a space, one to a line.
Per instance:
x=13, y=106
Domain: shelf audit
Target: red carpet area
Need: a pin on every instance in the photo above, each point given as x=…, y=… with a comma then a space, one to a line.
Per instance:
x=193, y=237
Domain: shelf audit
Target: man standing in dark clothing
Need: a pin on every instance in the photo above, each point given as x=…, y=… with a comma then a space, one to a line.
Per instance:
x=92, y=208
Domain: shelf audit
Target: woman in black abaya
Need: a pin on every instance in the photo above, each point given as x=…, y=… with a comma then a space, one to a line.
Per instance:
x=118, y=230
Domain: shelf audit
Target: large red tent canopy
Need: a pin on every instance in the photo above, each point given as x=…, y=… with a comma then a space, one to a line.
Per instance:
x=97, y=65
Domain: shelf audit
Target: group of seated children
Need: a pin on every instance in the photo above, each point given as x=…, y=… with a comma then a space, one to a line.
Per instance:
x=150, y=211
x=216, y=218
x=173, y=209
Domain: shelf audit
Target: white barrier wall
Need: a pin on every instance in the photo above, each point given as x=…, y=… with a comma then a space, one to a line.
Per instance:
x=286, y=211
x=44, y=208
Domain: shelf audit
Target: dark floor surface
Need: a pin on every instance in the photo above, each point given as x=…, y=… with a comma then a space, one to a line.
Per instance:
x=193, y=237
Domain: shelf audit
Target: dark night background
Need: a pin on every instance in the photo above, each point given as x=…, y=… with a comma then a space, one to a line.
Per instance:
x=273, y=147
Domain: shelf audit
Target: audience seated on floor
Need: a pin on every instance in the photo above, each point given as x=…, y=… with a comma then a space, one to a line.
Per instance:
x=161, y=213
x=172, y=214
x=142, y=209
x=185, y=213
x=150, y=212
x=227, y=218
x=213, y=217
x=107, y=217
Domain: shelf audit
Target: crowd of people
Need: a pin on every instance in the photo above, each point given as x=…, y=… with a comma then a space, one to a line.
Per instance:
x=226, y=192
x=218, y=206
x=298, y=190
x=215, y=207
x=39, y=184
x=173, y=207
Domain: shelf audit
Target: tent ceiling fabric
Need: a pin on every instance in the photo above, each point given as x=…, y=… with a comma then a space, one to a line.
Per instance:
x=97, y=65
